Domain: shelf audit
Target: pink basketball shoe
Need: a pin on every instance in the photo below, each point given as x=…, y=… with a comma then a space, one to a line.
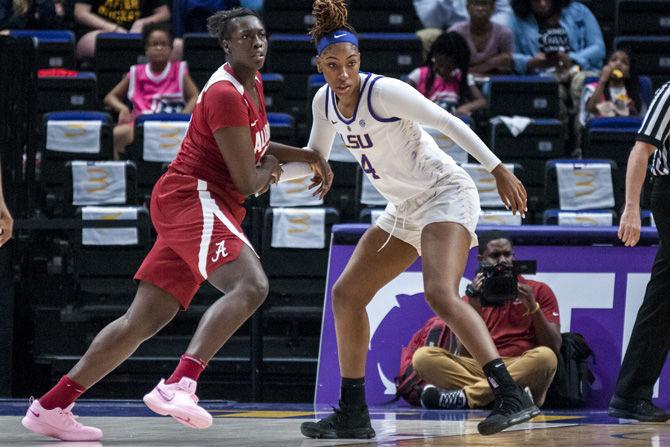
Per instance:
x=58, y=423
x=179, y=401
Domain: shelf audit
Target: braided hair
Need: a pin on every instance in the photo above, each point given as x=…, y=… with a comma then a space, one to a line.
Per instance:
x=330, y=15
x=218, y=24
x=453, y=45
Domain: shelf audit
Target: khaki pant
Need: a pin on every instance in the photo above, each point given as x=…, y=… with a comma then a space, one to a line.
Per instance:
x=534, y=369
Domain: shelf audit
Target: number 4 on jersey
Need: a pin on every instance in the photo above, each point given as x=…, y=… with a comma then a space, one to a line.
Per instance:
x=367, y=167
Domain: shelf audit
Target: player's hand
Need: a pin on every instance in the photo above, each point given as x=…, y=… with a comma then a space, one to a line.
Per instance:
x=323, y=176
x=629, y=227
x=511, y=190
x=271, y=163
x=6, y=224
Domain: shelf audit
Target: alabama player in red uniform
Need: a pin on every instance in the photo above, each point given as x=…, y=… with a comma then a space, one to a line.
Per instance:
x=197, y=209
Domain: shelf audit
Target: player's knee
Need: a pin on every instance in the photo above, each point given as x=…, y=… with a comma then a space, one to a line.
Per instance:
x=344, y=298
x=256, y=291
x=441, y=297
x=144, y=329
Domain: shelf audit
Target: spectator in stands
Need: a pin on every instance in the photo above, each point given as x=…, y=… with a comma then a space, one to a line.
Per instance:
x=647, y=350
x=444, y=77
x=114, y=16
x=438, y=15
x=155, y=87
x=555, y=36
x=558, y=38
x=490, y=43
x=30, y=14
x=197, y=208
x=6, y=221
x=525, y=330
x=617, y=91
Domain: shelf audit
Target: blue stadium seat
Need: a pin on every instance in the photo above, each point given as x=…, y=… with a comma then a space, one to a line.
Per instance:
x=384, y=16
x=610, y=137
x=642, y=17
x=533, y=96
x=78, y=92
x=651, y=55
x=579, y=218
x=585, y=192
x=168, y=141
x=55, y=48
x=293, y=56
x=282, y=128
x=99, y=183
x=203, y=55
x=381, y=5
x=288, y=16
x=114, y=54
x=543, y=138
x=67, y=136
x=273, y=91
x=108, y=250
x=297, y=275
x=391, y=54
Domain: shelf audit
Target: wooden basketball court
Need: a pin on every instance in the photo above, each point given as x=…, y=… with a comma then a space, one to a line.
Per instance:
x=129, y=423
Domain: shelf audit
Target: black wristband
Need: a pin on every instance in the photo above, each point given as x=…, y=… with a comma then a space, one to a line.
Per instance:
x=471, y=292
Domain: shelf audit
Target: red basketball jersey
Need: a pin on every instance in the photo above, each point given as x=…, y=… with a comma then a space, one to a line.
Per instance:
x=222, y=103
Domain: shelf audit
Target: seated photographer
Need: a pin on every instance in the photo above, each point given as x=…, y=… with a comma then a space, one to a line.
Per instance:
x=522, y=317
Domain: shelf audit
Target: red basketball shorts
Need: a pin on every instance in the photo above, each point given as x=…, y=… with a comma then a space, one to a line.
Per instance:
x=198, y=231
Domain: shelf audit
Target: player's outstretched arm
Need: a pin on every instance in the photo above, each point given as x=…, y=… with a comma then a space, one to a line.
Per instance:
x=394, y=98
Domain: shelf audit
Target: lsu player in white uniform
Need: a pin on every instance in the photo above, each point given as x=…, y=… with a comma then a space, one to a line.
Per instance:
x=433, y=211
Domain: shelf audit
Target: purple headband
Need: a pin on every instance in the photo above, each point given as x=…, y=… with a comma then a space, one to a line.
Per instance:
x=337, y=36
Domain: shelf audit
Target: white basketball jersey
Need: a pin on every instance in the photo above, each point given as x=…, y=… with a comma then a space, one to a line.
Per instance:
x=397, y=155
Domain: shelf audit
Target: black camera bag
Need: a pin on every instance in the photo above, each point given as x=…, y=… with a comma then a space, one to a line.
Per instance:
x=572, y=383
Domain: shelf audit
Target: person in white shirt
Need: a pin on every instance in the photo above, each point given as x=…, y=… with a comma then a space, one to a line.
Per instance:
x=433, y=211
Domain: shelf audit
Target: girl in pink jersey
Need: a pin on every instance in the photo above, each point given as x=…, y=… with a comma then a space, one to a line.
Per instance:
x=444, y=78
x=155, y=87
x=197, y=210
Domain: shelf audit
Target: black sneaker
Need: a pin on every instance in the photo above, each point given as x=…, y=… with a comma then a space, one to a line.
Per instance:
x=511, y=407
x=345, y=422
x=642, y=410
x=433, y=397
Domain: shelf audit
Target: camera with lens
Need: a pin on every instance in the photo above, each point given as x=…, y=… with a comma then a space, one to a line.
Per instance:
x=500, y=282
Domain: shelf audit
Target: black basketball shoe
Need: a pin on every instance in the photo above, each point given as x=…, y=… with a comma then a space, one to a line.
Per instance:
x=345, y=422
x=511, y=406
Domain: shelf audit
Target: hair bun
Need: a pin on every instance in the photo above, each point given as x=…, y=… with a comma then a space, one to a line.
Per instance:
x=330, y=15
